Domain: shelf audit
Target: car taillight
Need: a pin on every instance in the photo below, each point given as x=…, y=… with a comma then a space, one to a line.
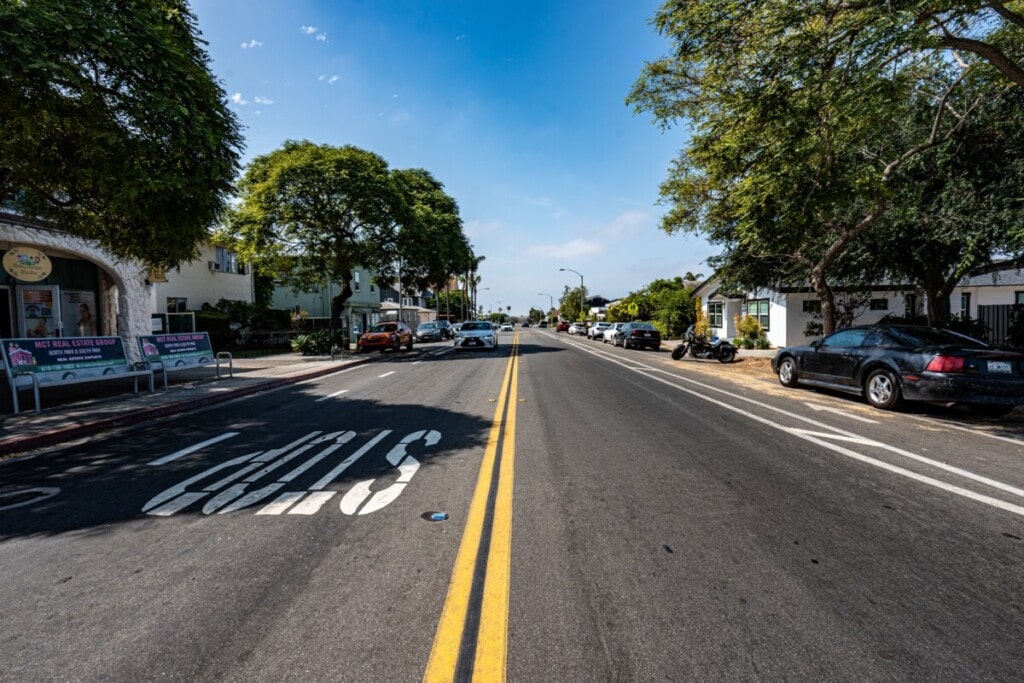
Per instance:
x=946, y=364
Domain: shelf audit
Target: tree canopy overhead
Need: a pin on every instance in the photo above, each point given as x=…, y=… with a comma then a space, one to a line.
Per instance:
x=112, y=126
x=313, y=213
x=792, y=105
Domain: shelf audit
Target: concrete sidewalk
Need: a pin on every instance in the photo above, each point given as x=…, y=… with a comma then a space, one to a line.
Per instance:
x=77, y=411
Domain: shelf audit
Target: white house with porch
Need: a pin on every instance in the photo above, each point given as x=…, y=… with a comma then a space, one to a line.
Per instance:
x=784, y=313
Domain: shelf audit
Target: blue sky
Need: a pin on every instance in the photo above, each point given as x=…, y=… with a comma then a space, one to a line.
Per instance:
x=517, y=107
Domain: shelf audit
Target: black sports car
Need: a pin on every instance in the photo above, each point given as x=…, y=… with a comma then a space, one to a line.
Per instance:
x=889, y=363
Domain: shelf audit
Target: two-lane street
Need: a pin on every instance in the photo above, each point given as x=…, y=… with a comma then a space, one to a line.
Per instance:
x=611, y=515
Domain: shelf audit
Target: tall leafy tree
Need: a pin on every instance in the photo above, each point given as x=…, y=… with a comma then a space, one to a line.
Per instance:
x=790, y=160
x=313, y=213
x=111, y=124
x=430, y=245
x=570, y=304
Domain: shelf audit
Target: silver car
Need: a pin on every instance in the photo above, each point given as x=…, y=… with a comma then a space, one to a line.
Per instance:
x=476, y=334
x=611, y=334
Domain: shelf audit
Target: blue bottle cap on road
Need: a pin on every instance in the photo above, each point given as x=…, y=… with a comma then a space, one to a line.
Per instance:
x=439, y=516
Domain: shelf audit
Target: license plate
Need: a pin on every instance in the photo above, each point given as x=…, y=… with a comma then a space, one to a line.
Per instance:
x=647, y=334
x=1000, y=366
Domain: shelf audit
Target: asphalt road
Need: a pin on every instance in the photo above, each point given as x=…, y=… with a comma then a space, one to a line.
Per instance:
x=612, y=515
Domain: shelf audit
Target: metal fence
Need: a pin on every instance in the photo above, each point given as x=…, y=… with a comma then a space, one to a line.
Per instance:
x=998, y=319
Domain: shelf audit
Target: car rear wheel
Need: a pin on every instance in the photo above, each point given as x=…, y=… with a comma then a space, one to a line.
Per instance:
x=882, y=390
x=787, y=372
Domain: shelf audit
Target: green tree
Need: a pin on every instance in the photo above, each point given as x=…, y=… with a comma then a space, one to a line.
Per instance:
x=313, y=213
x=535, y=315
x=570, y=305
x=112, y=126
x=790, y=161
x=429, y=244
x=965, y=198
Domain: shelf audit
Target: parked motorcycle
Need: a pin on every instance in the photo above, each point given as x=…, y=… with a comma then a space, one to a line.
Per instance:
x=698, y=346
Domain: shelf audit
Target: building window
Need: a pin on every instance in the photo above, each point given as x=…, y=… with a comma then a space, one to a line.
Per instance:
x=355, y=281
x=879, y=304
x=226, y=261
x=715, y=314
x=758, y=308
x=406, y=301
x=177, y=304
x=911, y=305
x=373, y=288
x=965, y=305
x=812, y=306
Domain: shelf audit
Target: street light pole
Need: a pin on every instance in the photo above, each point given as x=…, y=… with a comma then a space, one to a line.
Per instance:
x=582, y=315
x=551, y=302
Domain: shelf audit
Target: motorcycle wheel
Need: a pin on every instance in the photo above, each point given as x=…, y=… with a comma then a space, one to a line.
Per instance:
x=678, y=352
x=726, y=355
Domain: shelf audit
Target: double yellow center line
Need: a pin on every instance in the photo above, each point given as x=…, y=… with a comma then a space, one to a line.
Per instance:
x=471, y=642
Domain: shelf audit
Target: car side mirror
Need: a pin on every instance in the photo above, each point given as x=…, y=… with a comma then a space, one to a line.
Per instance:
x=816, y=344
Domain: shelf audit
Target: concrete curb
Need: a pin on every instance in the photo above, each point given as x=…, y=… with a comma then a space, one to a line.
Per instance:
x=20, y=444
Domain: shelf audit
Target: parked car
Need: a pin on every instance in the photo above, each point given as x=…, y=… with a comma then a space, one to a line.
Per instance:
x=384, y=336
x=507, y=327
x=446, y=329
x=596, y=331
x=562, y=326
x=611, y=334
x=429, y=332
x=542, y=323
x=476, y=334
x=888, y=363
x=578, y=328
x=526, y=323
x=637, y=335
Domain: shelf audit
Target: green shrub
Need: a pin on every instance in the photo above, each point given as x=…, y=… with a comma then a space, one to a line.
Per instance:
x=748, y=343
x=749, y=328
x=317, y=343
x=762, y=343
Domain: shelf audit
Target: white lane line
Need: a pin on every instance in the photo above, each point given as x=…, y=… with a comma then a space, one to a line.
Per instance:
x=386, y=374
x=192, y=449
x=817, y=407
x=336, y=393
x=810, y=436
x=320, y=378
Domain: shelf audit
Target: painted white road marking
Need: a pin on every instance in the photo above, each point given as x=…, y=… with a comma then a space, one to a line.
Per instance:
x=817, y=407
x=407, y=467
x=336, y=393
x=43, y=492
x=230, y=492
x=192, y=449
x=386, y=374
x=816, y=437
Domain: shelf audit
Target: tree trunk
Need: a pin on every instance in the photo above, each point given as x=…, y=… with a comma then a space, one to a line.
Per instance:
x=338, y=305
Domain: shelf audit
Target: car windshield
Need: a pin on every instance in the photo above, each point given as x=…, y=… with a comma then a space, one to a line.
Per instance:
x=476, y=326
x=384, y=327
x=643, y=326
x=428, y=326
x=917, y=337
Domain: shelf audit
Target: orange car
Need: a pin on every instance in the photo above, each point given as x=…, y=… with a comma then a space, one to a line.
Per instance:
x=384, y=336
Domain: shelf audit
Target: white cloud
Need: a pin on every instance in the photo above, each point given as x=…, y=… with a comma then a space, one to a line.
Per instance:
x=239, y=100
x=262, y=100
x=309, y=30
x=252, y=43
x=328, y=79
x=627, y=223
x=568, y=250
x=321, y=36
x=460, y=36
x=332, y=79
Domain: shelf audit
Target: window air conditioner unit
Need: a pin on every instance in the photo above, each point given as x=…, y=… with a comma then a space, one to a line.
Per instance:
x=390, y=300
x=214, y=265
